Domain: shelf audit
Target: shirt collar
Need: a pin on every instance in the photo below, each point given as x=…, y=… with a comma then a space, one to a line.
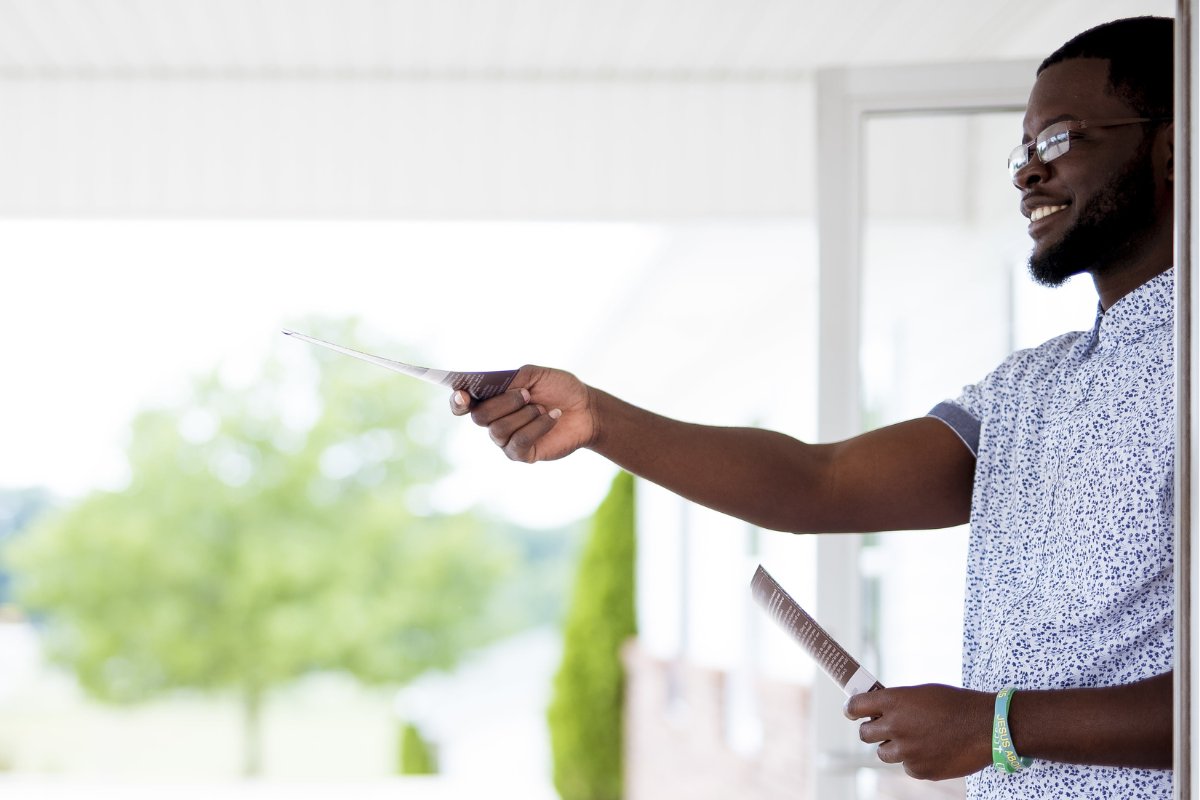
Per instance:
x=1145, y=308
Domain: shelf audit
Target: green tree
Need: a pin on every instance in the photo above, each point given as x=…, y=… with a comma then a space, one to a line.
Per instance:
x=257, y=542
x=585, y=714
x=18, y=509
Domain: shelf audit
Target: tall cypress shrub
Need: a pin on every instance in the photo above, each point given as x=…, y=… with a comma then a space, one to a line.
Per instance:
x=417, y=756
x=585, y=714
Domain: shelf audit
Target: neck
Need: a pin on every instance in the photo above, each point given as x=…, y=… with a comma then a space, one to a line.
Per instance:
x=1121, y=277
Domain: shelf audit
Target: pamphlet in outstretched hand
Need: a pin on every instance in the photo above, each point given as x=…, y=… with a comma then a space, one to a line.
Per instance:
x=480, y=385
x=829, y=655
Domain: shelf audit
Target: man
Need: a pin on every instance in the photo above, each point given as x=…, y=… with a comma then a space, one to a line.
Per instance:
x=1061, y=459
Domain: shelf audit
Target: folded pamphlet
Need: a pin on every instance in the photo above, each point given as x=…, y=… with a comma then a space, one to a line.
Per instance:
x=834, y=661
x=480, y=385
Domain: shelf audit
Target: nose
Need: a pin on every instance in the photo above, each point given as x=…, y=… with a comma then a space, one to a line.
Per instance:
x=1031, y=174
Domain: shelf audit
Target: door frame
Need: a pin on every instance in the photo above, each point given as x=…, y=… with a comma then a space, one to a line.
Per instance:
x=1187, y=393
x=845, y=98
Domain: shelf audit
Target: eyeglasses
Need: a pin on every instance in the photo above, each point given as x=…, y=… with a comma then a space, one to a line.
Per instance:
x=1056, y=140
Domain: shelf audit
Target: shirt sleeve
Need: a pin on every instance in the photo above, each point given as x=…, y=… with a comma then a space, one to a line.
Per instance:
x=965, y=414
x=961, y=421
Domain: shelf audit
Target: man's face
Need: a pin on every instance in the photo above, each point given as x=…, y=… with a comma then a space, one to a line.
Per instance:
x=1109, y=188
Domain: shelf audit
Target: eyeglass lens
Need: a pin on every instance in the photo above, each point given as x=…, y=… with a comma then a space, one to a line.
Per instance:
x=1050, y=144
x=1053, y=142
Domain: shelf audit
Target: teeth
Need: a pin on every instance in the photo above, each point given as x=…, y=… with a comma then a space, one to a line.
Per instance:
x=1044, y=211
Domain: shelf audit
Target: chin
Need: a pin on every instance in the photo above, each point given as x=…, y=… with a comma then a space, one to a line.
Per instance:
x=1051, y=264
x=1044, y=246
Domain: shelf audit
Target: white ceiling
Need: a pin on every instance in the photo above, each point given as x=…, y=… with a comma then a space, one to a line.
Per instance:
x=457, y=109
x=703, y=39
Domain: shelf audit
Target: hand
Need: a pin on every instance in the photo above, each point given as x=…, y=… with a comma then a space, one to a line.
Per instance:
x=937, y=732
x=549, y=414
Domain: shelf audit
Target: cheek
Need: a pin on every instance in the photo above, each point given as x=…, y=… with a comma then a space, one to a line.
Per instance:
x=1069, y=180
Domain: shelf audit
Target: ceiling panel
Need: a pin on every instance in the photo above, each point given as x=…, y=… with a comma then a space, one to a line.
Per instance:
x=588, y=38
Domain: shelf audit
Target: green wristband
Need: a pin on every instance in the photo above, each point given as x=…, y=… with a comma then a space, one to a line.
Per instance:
x=1004, y=756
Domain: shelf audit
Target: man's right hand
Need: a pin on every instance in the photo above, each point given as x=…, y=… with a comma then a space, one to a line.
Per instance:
x=549, y=414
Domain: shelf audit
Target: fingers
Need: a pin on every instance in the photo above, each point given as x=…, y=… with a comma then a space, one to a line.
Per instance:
x=460, y=403
x=487, y=412
x=505, y=414
x=523, y=442
x=871, y=705
x=513, y=423
x=865, y=704
x=502, y=429
x=889, y=753
x=874, y=731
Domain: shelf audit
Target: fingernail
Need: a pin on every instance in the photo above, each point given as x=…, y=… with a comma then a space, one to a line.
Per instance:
x=555, y=414
x=456, y=398
x=541, y=409
x=525, y=394
x=846, y=708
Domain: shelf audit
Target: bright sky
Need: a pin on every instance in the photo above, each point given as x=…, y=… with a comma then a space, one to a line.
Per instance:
x=103, y=318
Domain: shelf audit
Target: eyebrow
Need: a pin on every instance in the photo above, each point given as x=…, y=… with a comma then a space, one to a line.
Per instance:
x=1060, y=118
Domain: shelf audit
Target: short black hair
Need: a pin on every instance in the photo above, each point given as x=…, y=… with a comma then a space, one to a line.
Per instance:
x=1141, y=57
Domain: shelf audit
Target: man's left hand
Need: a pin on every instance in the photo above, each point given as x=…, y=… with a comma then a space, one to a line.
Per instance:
x=936, y=732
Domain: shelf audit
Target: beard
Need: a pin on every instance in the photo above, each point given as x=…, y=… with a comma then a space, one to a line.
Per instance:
x=1112, y=224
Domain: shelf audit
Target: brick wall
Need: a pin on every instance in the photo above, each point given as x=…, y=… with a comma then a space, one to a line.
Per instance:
x=675, y=740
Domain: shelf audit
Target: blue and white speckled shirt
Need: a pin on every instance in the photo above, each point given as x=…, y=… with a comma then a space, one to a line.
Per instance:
x=1069, y=574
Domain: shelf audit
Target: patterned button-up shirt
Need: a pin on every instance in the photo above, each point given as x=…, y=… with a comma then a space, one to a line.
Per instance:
x=1069, y=573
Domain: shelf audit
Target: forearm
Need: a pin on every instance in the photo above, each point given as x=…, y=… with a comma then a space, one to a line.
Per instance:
x=941, y=732
x=912, y=475
x=1117, y=726
x=763, y=477
x=869, y=483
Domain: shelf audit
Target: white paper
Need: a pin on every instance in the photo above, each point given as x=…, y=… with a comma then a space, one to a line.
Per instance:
x=830, y=656
x=480, y=385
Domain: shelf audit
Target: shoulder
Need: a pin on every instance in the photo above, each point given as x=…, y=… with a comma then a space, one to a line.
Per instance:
x=1032, y=371
x=1043, y=360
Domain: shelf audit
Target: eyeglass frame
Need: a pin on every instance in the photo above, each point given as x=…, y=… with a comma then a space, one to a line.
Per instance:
x=1041, y=142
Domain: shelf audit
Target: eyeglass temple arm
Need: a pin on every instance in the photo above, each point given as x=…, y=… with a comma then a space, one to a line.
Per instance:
x=1111, y=123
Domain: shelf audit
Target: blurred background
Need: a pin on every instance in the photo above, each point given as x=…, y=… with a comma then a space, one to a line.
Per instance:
x=233, y=565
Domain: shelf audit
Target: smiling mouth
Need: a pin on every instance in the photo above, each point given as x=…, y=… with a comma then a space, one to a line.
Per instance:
x=1044, y=211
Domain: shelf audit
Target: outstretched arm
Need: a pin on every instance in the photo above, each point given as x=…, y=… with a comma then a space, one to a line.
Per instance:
x=913, y=475
x=941, y=732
